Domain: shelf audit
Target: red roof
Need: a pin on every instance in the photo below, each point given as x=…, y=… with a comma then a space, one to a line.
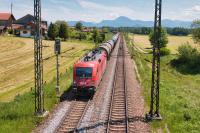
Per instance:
x=5, y=16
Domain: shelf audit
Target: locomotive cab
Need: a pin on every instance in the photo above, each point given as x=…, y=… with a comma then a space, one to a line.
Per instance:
x=88, y=73
x=84, y=79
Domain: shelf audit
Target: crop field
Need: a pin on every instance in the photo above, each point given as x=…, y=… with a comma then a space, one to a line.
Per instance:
x=16, y=59
x=142, y=41
x=179, y=92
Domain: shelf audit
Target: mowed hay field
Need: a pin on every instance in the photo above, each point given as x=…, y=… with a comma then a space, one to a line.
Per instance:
x=17, y=63
x=142, y=41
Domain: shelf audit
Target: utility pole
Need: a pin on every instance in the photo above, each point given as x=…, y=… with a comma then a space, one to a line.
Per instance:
x=57, y=49
x=11, y=8
x=38, y=61
x=155, y=86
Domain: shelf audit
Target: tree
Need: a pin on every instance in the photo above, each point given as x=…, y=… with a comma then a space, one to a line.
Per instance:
x=178, y=31
x=102, y=37
x=105, y=30
x=64, y=31
x=163, y=40
x=196, y=31
x=52, y=31
x=79, y=26
x=81, y=35
x=95, y=35
x=59, y=22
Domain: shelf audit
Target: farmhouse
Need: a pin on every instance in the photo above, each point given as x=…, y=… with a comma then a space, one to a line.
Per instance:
x=86, y=29
x=6, y=20
x=25, y=26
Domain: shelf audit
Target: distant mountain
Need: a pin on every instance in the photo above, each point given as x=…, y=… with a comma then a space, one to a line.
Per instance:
x=127, y=22
x=87, y=24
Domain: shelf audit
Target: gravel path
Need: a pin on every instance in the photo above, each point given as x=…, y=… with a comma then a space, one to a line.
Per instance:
x=96, y=115
x=136, y=103
x=51, y=124
x=95, y=119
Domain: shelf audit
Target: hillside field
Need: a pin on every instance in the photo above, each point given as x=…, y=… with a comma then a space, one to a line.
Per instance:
x=179, y=91
x=17, y=68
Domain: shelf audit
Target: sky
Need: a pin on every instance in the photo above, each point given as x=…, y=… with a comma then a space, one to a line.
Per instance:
x=98, y=10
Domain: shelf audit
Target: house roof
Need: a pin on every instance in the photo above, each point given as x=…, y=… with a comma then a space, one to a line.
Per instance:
x=6, y=16
x=26, y=19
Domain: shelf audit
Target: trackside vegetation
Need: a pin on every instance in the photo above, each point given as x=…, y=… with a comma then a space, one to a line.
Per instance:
x=179, y=93
x=18, y=116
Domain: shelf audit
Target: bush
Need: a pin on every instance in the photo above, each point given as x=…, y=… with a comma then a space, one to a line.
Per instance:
x=46, y=37
x=188, y=55
x=82, y=36
x=188, y=60
x=187, y=116
x=164, y=51
x=10, y=31
x=163, y=39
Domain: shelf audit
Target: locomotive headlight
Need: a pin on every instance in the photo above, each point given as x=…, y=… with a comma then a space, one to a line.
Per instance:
x=91, y=89
x=75, y=89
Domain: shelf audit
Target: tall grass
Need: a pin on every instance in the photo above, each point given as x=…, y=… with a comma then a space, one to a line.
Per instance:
x=179, y=95
x=18, y=116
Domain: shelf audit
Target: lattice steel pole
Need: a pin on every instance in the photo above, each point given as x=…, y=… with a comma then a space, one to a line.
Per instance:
x=155, y=87
x=38, y=60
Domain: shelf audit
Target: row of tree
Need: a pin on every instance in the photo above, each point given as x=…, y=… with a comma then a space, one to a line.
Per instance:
x=178, y=31
x=62, y=30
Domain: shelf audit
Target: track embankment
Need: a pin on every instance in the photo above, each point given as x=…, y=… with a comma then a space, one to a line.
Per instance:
x=117, y=106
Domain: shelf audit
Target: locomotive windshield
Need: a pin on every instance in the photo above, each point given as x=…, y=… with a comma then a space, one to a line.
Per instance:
x=84, y=72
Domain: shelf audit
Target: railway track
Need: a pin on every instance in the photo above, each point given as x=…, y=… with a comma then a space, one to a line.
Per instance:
x=118, y=115
x=74, y=116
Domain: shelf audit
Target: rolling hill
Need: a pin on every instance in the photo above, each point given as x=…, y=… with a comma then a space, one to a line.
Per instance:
x=127, y=22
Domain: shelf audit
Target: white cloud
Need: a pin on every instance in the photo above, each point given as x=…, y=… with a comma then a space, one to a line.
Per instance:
x=196, y=8
x=99, y=12
x=87, y=10
x=193, y=13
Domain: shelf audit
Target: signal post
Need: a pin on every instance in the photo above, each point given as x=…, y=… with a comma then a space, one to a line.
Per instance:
x=57, y=50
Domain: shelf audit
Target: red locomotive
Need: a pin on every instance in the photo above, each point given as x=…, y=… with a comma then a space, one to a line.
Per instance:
x=89, y=70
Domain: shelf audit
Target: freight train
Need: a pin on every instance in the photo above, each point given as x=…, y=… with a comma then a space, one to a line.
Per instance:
x=89, y=70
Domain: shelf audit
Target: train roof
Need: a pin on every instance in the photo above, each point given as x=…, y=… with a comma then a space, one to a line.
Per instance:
x=86, y=64
x=92, y=56
x=91, y=59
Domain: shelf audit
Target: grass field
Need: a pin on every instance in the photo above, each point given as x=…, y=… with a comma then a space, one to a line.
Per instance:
x=16, y=59
x=16, y=77
x=179, y=93
x=18, y=116
x=142, y=41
